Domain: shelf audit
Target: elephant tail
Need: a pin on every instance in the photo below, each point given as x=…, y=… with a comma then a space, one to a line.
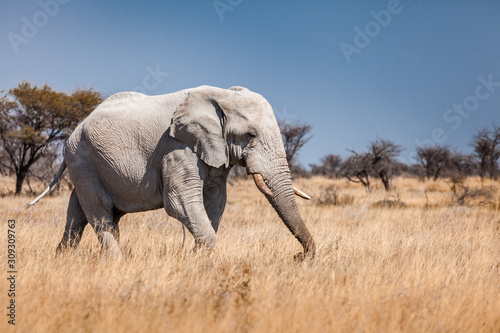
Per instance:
x=54, y=181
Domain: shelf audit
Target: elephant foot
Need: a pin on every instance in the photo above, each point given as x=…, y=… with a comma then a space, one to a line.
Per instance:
x=61, y=248
x=205, y=239
x=110, y=246
x=64, y=247
x=202, y=248
x=301, y=256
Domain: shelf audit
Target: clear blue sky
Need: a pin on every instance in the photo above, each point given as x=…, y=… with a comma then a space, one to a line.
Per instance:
x=399, y=84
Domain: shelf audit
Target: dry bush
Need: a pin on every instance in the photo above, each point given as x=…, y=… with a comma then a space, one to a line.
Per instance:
x=330, y=196
x=433, y=187
x=377, y=270
x=389, y=202
x=470, y=193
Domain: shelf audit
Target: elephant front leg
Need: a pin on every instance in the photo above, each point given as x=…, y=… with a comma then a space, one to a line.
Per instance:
x=188, y=208
x=183, y=177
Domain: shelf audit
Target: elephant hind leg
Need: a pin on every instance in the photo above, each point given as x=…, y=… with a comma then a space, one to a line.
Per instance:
x=100, y=216
x=98, y=208
x=117, y=215
x=75, y=224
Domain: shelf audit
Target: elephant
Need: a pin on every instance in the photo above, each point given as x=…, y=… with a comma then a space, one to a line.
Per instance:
x=136, y=153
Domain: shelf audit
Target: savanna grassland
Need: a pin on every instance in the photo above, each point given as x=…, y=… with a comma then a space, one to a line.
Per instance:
x=419, y=259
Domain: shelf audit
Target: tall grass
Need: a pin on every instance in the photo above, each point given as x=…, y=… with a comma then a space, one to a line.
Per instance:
x=428, y=265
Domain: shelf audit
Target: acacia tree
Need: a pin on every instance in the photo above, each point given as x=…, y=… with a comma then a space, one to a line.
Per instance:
x=33, y=118
x=379, y=162
x=329, y=166
x=357, y=168
x=294, y=136
x=462, y=165
x=383, y=158
x=434, y=160
x=3, y=157
x=487, y=148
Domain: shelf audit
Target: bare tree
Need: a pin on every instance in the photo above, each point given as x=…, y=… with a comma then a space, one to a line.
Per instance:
x=295, y=136
x=487, y=148
x=33, y=118
x=384, y=165
x=434, y=160
x=379, y=161
x=4, y=166
x=329, y=166
x=357, y=168
x=417, y=170
x=462, y=165
x=298, y=171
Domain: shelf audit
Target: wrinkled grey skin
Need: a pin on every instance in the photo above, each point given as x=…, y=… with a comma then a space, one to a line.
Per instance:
x=135, y=153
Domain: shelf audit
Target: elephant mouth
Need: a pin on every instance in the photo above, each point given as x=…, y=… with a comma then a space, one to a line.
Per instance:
x=261, y=185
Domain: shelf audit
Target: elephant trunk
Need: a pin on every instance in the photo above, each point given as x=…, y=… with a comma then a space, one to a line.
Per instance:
x=282, y=198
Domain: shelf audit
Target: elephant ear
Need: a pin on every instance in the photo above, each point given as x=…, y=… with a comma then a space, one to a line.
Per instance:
x=199, y=122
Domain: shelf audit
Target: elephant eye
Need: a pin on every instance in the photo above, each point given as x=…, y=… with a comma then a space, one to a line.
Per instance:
x=252, y=133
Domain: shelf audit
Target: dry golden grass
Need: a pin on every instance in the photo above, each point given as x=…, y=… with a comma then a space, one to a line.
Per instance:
x=429, y=265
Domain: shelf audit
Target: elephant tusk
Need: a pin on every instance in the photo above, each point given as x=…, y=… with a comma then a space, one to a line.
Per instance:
x=259, y=181
x=300, y=193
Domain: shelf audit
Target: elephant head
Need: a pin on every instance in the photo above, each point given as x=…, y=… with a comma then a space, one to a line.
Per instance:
x=233, y=126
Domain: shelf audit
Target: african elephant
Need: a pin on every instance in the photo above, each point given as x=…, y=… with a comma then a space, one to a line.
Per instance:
x=136, y=153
